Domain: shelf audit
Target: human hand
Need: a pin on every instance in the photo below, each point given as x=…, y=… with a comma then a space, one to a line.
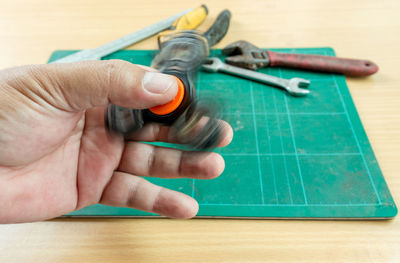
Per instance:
x=55, y=153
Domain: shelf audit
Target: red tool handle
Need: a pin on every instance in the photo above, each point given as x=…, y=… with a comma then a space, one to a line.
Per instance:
x=349, y=67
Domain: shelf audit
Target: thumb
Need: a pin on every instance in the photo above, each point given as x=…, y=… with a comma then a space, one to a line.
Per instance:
x=89, y=84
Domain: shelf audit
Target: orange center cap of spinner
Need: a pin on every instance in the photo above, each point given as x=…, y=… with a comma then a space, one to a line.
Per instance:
x=173, y=104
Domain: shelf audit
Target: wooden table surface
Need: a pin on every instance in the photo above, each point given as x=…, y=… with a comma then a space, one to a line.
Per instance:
x=31, y=30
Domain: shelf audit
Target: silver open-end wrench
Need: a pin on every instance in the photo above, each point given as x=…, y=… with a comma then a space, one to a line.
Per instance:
x=293, y=86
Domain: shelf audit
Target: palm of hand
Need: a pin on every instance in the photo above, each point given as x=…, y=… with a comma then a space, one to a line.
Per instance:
x=70, y=170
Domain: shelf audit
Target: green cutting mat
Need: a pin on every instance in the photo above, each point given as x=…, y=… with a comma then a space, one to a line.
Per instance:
x=290, y=157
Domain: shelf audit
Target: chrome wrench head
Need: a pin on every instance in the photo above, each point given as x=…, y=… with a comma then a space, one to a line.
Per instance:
x=296, y=87
x=212, y=64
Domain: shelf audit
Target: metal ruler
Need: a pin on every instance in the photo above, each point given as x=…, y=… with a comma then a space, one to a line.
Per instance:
x=111, y=47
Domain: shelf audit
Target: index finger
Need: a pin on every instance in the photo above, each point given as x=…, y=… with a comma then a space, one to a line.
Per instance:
x=154, y=132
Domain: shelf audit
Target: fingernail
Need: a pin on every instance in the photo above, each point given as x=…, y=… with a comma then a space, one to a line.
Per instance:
x=158, y=83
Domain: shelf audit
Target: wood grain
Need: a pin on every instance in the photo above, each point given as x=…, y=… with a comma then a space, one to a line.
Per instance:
x=31, y=30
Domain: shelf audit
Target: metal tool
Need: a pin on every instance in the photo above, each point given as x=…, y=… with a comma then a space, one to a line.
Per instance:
x=293, y=86
x=111, y=47
x=246, y=55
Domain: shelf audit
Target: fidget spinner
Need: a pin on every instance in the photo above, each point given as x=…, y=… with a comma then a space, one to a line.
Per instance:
x=193, y=123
